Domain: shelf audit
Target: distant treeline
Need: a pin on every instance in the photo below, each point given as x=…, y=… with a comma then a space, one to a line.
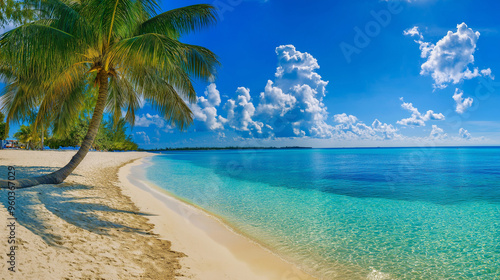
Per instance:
x=222, y=148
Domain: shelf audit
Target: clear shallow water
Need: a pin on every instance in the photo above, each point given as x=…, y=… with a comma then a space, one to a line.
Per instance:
x=354, y=213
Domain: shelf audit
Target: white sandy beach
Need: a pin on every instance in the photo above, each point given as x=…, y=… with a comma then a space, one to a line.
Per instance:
x=105, y=224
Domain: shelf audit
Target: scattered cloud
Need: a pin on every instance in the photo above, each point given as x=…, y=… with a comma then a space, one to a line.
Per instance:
x=148, y=120
x=387, y=130
x=449, y=59
x=437, y=133
x=418, y=119
x=350, y=128
x=345, y=119
x=414, y=31
x=291, y=107
x=464, y=134
x=461, y=104
x=144, y=137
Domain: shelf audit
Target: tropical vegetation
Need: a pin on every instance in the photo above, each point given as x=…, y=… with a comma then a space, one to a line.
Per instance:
x=11, y=11
x=117, y=51
x=26, y=136
x=3, y=127
x=110, y=137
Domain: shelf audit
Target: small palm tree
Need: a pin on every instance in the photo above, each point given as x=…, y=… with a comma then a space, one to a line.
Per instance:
x=26, y=136
x=116, y=51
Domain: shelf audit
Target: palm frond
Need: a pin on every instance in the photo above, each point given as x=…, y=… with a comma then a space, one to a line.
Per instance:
x=171, y=106
x=200, y=62
x=122, y=95
x=18, y=101
x=166, y=55
x=37, y=49
x=177, y=22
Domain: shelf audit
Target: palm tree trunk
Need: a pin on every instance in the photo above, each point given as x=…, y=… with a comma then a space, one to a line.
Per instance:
x=60, y=175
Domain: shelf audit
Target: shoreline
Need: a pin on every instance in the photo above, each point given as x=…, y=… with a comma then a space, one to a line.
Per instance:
x=214, y=249
x=84, y=228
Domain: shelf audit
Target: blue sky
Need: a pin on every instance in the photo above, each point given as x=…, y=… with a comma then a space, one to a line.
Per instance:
x=343, y=73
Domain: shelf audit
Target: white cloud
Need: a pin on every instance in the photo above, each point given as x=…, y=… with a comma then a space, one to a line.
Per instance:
x=213, y=95
x=414, y=31
x=147, y=120
x=417, y=119
x=345, y=119
x=388, y=131
x=290, y=106
x=487, y=73
x=274, y=101
x=221, y=135
x=437, y=133
x=240, y=113
x=461, y=104
x=350, y=128
x=464, y=134
x=205, y=111
x=449, y=59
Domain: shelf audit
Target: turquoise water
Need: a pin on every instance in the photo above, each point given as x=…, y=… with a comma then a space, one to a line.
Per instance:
x=408, y=213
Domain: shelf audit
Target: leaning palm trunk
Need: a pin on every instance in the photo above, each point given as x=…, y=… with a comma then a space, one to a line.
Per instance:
x=60, y=175
x=129, y=50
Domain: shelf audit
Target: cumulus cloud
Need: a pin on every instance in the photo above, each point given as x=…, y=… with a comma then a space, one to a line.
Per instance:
x=240, y=113
x=461, y=104
x=464, y=134
x=417, y=118
x=448, y=60
x=290, y=106
x=388, y=131
x=205, y=111
x=212, y=94
x=345, y=119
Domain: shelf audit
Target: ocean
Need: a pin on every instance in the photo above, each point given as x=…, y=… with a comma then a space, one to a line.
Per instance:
x=381, y=213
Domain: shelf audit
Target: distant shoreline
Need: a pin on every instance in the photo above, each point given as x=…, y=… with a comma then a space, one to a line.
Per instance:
x=223, y=148
x=311, y=148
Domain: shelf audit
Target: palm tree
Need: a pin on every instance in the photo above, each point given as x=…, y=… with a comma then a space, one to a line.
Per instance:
x=26, y=135
x=117, y=51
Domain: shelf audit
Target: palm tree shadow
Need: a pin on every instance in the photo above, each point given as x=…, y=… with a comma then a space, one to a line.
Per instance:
x=34, y=206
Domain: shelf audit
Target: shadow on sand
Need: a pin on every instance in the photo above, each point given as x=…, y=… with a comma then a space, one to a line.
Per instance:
x=34, y=206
